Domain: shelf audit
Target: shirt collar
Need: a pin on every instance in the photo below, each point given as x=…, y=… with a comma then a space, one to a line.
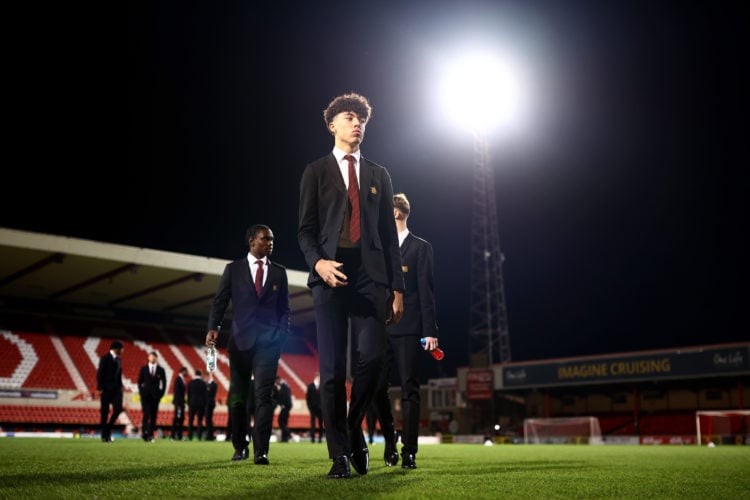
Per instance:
x=339, y=154
x=402, y=236
x=251, y=259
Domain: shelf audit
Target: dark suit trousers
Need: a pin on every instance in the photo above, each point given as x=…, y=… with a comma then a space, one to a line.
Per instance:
x=363, y=302
x=262, y=361
x=109, y=398
x=150, y=408
x=408, y=351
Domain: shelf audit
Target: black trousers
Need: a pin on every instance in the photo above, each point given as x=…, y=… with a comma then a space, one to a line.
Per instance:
x=109, y=398
x=405, y=351
x=210, y=421
x=195, y=412
x=150, y=408
x=261, y=362
x=362, y=303
x=316, y=417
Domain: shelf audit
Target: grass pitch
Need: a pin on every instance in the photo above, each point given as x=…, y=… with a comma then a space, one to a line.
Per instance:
x=129, y=468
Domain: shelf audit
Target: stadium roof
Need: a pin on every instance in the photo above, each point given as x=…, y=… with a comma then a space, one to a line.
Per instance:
x=71, y=276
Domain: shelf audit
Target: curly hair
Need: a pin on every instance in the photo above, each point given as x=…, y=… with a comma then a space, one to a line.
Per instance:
x=348, y=102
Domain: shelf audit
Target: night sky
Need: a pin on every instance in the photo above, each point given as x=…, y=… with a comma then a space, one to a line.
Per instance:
x=621, y=209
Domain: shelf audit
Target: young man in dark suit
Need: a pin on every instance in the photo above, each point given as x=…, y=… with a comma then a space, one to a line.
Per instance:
x=348, y=237
x=419, y=321
x=196, y=404
x=178, y=400
x=109, y=384
x=259, y=292
x=211, y=389
x=152, y=384
x=313, y=406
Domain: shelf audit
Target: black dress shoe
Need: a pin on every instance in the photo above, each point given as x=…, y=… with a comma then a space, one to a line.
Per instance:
x=241, y=454
x=340, y=468
x=408, y=461
x=390, y=455
x=261, y=459
x=360, y=460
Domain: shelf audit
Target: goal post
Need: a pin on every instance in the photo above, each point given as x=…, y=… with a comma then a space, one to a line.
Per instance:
x=722, y=427
x=562, y=430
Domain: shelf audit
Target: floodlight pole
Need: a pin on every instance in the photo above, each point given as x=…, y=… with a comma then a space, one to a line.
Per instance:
x=489, y=325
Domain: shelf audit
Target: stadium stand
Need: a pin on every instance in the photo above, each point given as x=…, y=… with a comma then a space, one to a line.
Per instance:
x=35, y=368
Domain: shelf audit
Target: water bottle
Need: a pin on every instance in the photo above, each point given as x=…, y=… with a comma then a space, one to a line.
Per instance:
x=437, y=353
x=211, y=359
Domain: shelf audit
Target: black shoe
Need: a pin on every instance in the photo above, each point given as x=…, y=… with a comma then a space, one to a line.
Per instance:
x=391, y=454
x=261, y=458
x=408, y=461
x=360, y=460
x=340, y=468
x=241, y=454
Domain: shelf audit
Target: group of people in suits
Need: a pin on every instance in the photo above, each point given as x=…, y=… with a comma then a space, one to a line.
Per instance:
x=368, y=273
x=365, y=270
x=199, y=394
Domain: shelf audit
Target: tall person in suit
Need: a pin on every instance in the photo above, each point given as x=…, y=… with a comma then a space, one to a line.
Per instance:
x=109, y=384
x=178, y=400
x=196, y=404
x=152, y=384
x=259, y=292
x=211, y=389
x=313, y=406
x=348, y=237
x=419, y=321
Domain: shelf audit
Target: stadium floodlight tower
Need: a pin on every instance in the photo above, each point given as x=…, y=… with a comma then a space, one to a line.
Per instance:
x=484, y=93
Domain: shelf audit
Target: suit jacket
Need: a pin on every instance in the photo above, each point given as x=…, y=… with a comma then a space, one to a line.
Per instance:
x=419, y=297
x=283, y=396
x=178, y=398
x=313, y=398
x=323, y=205
x=265, y=317
x=109, y=374
x=152, y=387
x=211, y=388
x=197, y=393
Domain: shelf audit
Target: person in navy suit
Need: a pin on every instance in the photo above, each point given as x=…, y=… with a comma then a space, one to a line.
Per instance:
x=404, y=340
x=152, y=384
x=109, y=384
x=348, y=237
x=259, y=292
x=178, y=400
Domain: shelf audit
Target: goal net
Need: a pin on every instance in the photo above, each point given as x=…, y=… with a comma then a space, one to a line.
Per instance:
x=722, y=427
x=564, y=430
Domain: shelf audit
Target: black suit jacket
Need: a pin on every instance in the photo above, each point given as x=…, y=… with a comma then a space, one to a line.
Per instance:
x=323, y=204
x=313, y=398
x=265, y=317
x=108, y=374
x=152, y=387
x=178, y=398
x=419, y=298
x=197, y=393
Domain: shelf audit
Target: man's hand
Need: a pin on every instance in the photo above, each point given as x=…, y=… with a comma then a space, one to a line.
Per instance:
x=395, y=307
x=430, y=343
x=330, y=272
x=211, y=337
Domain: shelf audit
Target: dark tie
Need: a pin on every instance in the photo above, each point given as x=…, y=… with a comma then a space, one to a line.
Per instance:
x=259, y=277
x=153, y=370
x=354, y=200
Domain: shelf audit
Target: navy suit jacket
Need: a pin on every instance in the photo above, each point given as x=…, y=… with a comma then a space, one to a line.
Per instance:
x=419, y=297
x=153, y=387
x=323, y=205
x=178, y=398
x=254, y=318
x=108, y=374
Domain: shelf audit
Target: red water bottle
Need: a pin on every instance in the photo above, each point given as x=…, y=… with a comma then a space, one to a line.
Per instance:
x=437, y=353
